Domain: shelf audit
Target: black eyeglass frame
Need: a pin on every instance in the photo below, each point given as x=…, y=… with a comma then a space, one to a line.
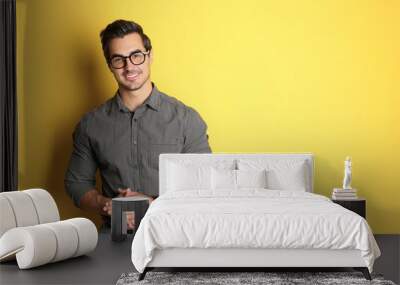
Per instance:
x=146, y=53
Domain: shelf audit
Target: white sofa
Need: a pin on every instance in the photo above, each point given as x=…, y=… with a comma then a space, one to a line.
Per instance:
x=31, y=231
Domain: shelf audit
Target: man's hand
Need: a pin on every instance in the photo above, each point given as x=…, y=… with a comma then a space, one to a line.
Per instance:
x=129, y=193
x=130, y=217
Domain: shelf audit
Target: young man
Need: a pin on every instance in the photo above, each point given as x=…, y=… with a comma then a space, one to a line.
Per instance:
x=124, y=137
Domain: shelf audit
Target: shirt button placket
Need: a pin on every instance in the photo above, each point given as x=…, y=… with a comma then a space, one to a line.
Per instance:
x=135, y=152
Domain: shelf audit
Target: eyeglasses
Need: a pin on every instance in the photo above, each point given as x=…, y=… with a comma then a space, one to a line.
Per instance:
x=136, y=58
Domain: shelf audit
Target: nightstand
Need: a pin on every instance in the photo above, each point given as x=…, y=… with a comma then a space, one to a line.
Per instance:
x=357, y=205
x=121, y=205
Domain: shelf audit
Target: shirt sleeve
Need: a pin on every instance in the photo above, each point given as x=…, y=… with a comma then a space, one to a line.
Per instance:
x=80, y=176
x=196, y=138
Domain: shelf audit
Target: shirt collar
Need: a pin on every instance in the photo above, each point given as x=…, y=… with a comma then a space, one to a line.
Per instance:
x=153, y=101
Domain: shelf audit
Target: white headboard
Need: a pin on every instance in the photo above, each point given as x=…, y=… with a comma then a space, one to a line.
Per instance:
x=165, y=157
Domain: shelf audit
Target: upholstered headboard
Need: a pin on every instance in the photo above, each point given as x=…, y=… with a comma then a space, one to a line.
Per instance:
x=234, y=157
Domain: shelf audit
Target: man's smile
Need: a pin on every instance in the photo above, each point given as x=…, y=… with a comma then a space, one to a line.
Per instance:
x=131, y=75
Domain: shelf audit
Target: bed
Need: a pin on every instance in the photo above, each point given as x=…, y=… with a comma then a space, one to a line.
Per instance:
x=245, y=211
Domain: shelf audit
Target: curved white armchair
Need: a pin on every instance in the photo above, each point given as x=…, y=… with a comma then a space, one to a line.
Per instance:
x=31, y=232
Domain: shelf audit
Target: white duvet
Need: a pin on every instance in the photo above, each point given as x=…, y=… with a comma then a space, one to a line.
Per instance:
x=251, y=218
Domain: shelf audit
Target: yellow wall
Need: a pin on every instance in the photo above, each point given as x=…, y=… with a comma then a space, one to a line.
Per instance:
x=267, y=76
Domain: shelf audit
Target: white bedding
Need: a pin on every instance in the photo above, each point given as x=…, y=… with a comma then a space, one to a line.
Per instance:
x=250, y=218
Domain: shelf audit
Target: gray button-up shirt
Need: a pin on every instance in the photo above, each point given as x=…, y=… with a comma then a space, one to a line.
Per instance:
x=125, y=146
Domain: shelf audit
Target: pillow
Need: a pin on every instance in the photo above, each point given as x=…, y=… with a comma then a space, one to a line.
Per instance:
x=188, y=177
x=282, y=174
x=236, y=179
x=287, y=179
x=251, y=178
x=223, y=179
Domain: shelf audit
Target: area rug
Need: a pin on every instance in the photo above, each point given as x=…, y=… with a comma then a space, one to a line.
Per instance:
x=268, y=278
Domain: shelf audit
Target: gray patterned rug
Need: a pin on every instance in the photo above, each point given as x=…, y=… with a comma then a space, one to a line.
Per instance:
x=269, y=278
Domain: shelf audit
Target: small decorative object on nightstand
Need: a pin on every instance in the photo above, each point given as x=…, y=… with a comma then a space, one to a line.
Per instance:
x=347, y=192
x=347, y=174
x=344, y=194
x=356, y=205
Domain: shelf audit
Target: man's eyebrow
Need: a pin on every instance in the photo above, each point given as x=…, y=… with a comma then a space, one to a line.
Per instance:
x=117, y=54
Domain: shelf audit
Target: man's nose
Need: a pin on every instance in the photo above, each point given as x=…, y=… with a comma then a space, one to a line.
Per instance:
x=128, y=64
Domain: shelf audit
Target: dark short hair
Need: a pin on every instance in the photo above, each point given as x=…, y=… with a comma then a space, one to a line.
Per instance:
x=119, y=29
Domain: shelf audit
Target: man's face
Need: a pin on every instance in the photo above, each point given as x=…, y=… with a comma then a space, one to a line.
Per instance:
x=131, y=77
